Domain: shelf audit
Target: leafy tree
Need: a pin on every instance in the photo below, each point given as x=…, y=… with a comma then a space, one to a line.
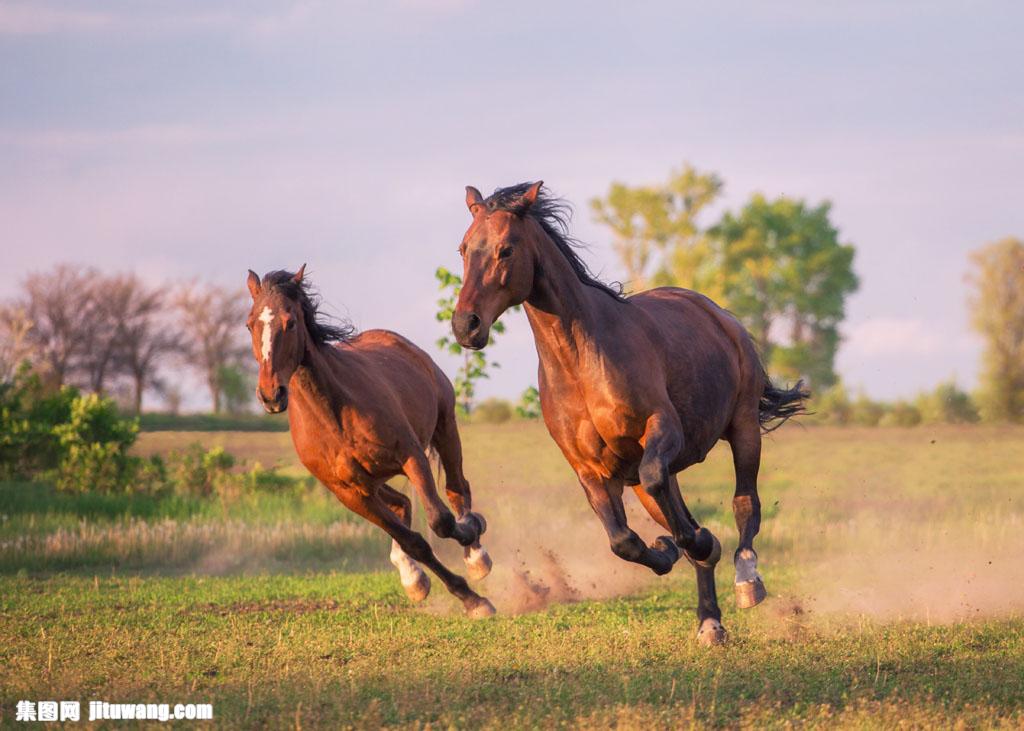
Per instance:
x=236, y=386
x=529, y=404
x=787, y=277
x=997, y=308
x=474, y=362
x=655, y=228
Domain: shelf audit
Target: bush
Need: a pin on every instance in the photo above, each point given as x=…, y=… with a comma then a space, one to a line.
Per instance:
x=94, y=444
x=833, y=406
x=493, y=411
x=901, y=413
x=28, y=415
x=865, y=412
x=198, y=472
x=947, y=404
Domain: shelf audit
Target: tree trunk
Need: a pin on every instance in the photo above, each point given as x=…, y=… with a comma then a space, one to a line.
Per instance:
x=139, y=387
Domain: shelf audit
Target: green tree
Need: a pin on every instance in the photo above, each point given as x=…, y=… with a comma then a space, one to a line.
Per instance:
x=529, y=404
x=474, y=362
x=656, y=232
x=787, y=276
x=997, y=309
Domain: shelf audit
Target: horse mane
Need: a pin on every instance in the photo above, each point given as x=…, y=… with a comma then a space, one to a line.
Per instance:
x=320, y=328
x=553, y=214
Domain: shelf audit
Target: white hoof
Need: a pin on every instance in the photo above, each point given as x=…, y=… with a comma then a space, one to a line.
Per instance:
x=711, y=633
x=749, y=586
x=419, y=588
x=478, y=563
x=415, y=581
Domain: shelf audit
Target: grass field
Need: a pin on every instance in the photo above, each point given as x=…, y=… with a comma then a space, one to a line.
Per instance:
x=891, y=558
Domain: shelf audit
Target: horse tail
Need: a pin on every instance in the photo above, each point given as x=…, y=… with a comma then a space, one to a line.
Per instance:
x=778, y=405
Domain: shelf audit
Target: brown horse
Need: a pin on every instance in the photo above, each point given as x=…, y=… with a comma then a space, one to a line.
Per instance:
x=363, y=409
x=632, y=389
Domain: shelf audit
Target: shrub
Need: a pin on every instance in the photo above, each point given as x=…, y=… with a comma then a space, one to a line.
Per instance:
x=493, y=411
x=833, y=406
x=198, y=472
x=28, y=415
x=865, y=412
x=947, y=404
x=94, y=443
x=901, y=414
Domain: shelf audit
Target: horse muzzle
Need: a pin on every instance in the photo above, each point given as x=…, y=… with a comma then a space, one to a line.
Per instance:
x=469, y=330
x=275, y=404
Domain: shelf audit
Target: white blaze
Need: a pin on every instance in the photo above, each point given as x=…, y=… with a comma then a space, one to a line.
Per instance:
x=266, y=317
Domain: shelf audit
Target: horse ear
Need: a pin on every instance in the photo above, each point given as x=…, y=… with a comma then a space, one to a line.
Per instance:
x=254, y=284
x=530, y=196
x=473, y=198
x=300, y=274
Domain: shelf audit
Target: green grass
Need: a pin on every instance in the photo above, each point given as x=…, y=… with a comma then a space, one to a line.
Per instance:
x=896, y=598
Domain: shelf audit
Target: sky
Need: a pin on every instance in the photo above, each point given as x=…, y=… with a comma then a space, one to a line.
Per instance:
x=200, y=138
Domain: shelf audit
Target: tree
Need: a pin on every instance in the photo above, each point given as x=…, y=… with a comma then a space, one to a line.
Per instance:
x=110, y=303
x=655, y=228
x=14, y=340
x=786, y=276
x=474, y=362
x=59, y=304
x=529, y=404
x=212, y=337
x=997, y=309
x=145, y=337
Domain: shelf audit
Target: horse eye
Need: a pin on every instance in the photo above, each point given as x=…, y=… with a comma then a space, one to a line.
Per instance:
x=505, y=253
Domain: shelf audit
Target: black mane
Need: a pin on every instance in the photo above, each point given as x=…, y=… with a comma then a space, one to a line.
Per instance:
x=320, y=329
x=553, y=215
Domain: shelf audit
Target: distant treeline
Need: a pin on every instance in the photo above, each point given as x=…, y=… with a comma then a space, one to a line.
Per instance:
x=114, y=335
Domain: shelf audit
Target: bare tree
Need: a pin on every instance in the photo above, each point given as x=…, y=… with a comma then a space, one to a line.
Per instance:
x=14, y=343
x=59, y=304
x=215, y=319
x=145, y=338
x=111, y=303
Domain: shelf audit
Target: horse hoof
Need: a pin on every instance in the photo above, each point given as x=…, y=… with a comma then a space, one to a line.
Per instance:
x=750, y=593
x=481, y=609
x=419, y=588
x=711, y=633
x=666, y=545
x=478, y=563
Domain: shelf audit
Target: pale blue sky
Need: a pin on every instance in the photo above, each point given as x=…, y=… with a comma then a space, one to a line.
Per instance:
x=182, y=138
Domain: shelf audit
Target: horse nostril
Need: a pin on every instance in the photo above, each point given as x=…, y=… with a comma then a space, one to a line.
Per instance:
x=473, y=322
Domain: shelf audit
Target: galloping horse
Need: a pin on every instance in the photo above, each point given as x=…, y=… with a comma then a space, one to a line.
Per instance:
x=365, y=408
x=633, y=389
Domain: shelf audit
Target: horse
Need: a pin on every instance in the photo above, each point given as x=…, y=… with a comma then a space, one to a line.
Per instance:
x=364, y=408
x=633, y=389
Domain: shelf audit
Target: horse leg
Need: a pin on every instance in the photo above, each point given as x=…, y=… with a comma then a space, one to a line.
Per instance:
x=662, y=442
x=374, y=509
x=746, y=507
x=466, y=530
x=709, y=617
x=414, y=579
x=605, y=497
x=449, y=449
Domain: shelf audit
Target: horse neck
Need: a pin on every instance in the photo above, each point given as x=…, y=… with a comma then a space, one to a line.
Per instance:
x=564, y=313
x=315, y=382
